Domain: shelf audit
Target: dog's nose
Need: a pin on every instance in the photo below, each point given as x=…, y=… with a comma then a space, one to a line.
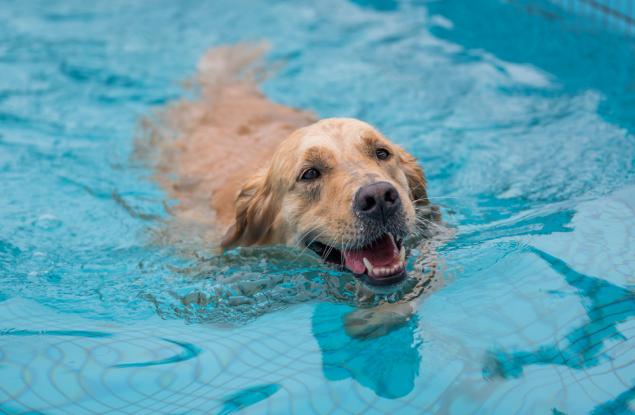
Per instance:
x=377, y=201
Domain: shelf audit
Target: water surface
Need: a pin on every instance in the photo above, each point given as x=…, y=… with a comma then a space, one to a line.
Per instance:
x=523, y=116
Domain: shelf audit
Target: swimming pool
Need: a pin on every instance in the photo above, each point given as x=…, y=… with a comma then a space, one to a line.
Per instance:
x=522, y=114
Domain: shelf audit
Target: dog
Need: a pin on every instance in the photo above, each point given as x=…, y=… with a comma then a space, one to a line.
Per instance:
x=341, y=189
x=261, y=173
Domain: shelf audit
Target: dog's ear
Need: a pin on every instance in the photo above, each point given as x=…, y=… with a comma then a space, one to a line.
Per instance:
x=416, y=178
x=417, y=184
x=256, y=214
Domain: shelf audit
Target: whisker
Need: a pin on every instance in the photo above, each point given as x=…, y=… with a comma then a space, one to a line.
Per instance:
x=328, y=251
x=344, y=248
x=306, y=246
x=427, y=222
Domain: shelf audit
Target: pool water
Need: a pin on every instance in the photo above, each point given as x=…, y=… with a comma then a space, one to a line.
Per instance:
x=522, y=114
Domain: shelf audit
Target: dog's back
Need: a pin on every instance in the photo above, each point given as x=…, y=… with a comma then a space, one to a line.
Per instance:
x=204, y=149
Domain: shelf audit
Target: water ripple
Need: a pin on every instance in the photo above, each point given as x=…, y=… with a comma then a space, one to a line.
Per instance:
x=189, y=351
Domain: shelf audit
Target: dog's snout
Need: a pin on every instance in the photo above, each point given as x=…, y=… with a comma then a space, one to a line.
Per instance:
x=377, y=201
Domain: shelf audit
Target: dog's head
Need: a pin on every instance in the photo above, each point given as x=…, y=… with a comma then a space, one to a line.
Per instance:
x=343, y=190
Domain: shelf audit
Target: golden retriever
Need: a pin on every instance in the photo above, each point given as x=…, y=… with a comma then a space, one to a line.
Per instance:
x=340, y=188
x=262, y=173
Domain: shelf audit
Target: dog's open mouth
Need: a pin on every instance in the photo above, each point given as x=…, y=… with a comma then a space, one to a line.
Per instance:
x=382, y=262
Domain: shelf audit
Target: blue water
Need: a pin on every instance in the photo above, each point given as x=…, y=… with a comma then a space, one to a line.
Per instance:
x=522, y=114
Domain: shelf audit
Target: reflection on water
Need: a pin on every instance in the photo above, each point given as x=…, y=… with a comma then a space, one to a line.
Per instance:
x=387, y=363
x=620, y=405
x=188, y=351
x=246, y=397
x=606, y=306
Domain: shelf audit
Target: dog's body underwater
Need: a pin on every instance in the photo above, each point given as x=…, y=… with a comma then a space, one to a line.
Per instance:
x=262, y=173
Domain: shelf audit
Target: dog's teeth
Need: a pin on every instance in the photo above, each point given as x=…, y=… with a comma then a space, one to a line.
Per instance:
x=402, y=254
x=392, y=238
x=369, y=266
x=382, y=271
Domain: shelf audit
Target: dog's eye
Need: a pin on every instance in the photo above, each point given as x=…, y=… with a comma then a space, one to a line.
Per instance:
x=310, y=174
x=382, y=153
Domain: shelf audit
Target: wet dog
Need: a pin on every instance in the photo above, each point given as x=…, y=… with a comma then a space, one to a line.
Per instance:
x=260, y=173
x=340, y=188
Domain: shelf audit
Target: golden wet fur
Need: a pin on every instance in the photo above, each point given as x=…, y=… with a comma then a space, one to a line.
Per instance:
x=204, y=150
x=235, y=157
x=275, y=207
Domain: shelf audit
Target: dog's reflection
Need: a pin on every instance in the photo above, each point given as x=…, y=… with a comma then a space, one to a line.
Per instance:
x=376, y=347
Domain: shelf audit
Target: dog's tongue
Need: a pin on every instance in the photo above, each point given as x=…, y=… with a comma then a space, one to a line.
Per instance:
x=380, y=253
